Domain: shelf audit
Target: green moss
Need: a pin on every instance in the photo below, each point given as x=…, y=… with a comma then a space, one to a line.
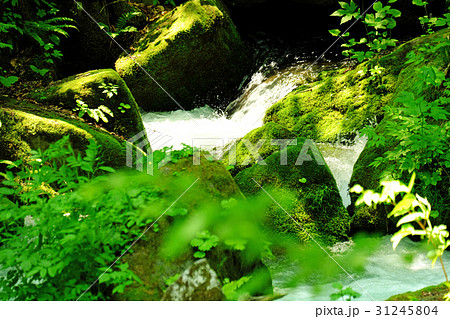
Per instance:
x=343, y=101
x=315, y=205
x=338, y=104
x=85, y=87
x=268, y=132
x=192, y=51
x=370, y=177
x=215, y=182
x=26, y=126
x=431, y=293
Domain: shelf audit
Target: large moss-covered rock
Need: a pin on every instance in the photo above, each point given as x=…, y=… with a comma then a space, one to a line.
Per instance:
x=149, y=262
x=341, y=102
x=241, y=154
x=85, y=87
x=27, y=126
x=345, y=100
x=312, y=207
x=371, y=219
x=194, y=52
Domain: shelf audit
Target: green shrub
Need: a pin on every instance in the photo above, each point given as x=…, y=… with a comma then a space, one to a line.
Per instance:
x=55, y=242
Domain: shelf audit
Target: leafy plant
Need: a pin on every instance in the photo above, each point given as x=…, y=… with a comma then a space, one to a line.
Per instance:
x=109, y=89
x=54, y=240
x=97, y=114
x=45, y=28
x=378, y=27
x=204, y=242
x=420, y=125
x=428, y=22
x=169, y=281
x=121, y=25
x=41, y=72
x=231, y=288
x=8, y=81
x=411, y=208
x=346, y=294
x=123, y=107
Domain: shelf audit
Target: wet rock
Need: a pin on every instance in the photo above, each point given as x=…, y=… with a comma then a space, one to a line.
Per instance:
x=198, y=282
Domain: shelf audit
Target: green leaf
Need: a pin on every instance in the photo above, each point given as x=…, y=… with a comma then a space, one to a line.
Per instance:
x=199, y=254
x=10, y=80
x=107, y=169
x=358, y=189
x=378, y=6
x=419, y=3
x=52, y=271
x=335, y=32
x=404, y=206
x=410, y=218
x=346, y=18
x=237, y=244
x=41, y=72
x=7, y=191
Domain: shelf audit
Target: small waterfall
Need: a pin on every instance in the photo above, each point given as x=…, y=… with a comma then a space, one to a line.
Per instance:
x=266, y=87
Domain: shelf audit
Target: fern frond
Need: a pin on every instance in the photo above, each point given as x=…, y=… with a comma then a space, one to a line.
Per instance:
x=5, y=46
x=4, y=27
x=58, y=19
x=125, y=18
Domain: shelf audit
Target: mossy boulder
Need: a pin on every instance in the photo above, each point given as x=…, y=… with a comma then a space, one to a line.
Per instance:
x=311, y=207
x=431, y=293
x=215, y=181
x=375, y=220
x=240, y=157
x=85, y=87
x=148, y=261
x=345, y=100
x=194, y=52
x=26, y=126
x=337, y=105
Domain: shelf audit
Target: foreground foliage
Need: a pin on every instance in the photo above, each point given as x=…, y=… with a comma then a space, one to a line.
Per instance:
x=411, y=208
x=53, y=242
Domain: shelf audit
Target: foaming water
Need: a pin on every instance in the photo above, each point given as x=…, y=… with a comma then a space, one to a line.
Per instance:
x=262, y=91
x=387, y=273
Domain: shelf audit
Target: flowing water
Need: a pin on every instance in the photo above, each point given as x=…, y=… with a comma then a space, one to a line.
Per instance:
x=207, y=123
x=387, y=273
x=280, y=71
